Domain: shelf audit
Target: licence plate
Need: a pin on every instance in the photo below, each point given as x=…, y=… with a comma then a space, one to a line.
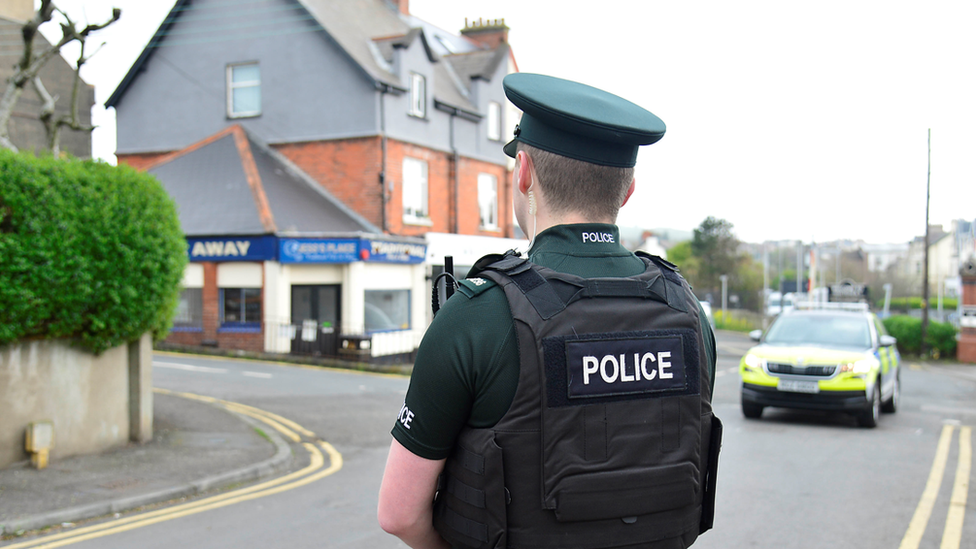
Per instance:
x=795, y=386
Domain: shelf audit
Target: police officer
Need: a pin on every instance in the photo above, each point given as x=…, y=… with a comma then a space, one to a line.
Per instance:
x=562, y=400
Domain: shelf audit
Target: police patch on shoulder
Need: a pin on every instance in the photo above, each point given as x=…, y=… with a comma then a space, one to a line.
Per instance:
x=624, y=366
x=474, y=286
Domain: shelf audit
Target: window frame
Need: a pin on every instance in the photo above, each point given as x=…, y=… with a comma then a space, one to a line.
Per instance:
x=245, y=325
x=418, y=95
x=494, y=120
x=408, y=312
x=412, y=218
x=493, y=205
x=194, y=310
x=232, y=86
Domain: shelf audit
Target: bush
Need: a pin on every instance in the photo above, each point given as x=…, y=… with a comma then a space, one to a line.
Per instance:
x=940, y=339
x=728, y=321
x=88, y=251
x=907, y=303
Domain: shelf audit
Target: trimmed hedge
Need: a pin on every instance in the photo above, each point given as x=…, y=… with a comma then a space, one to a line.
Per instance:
x=88, y=251
x=940, y=339
x=906, y=303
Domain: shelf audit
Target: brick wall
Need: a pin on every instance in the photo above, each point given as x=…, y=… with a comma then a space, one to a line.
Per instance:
x=350, y=170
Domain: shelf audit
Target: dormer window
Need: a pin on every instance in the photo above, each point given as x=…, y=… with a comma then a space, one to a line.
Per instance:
x=494, y=121
x=418, y=95
x=243, y=90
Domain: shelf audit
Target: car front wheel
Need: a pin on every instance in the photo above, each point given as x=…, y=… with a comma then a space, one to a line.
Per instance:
x=890, y=406
x=751, y=411
x=869, y=417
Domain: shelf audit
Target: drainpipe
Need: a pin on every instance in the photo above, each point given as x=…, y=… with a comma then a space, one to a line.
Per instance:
x=384, y=89
x=457, y=177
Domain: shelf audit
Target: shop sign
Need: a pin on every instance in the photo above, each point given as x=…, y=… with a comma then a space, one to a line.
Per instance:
x=393, y=252
x=306, y=250
x=260, y=248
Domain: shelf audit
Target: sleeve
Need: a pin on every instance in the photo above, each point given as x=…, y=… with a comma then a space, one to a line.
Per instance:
x=710, y=354
x=459, y=373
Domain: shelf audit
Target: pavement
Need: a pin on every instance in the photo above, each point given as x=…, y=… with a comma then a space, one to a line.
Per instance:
x=197, y=448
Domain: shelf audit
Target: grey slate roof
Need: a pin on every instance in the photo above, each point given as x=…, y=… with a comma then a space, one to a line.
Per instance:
x=209, y=183
x=367, y=31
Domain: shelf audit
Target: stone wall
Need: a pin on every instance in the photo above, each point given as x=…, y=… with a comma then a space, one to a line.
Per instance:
x=94, y=402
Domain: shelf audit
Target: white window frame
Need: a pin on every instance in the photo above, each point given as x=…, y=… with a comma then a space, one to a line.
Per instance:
x=494, y=121
x=488, y=201
x=415, y=199
x=232, y=86
x=418, y=95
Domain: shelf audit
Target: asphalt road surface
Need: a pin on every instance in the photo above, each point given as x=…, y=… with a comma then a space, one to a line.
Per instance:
x=789, y=480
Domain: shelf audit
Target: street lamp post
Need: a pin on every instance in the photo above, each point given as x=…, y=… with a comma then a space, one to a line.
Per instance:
x=725, y=295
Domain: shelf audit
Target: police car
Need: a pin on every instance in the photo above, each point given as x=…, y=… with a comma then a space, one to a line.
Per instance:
x=827, y=356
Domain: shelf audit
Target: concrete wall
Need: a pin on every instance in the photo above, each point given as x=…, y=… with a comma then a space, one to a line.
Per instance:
x=87, y=397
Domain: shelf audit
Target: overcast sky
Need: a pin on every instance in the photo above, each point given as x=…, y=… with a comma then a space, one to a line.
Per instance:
x=790, y=120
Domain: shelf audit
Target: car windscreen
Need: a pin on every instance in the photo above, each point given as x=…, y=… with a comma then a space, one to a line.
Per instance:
x=826, y=330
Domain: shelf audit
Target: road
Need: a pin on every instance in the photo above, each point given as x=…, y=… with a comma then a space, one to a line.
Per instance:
x=790, y=480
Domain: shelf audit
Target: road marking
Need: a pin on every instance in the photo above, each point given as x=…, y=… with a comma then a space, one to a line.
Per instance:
x=916, y=528
x=952, y=537
x=261, y=375
x=189, y=368
x=293, y=480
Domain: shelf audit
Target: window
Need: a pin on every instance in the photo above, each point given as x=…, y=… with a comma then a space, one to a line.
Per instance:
x=189, y=311
x=387, y=310
x=415, y=191
x=494, y=121
x=488, y=200
x=418, y=95
x=240, y=308
x=243, y=90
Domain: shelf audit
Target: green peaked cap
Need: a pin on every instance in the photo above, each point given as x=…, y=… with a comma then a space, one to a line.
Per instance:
x=579, y=121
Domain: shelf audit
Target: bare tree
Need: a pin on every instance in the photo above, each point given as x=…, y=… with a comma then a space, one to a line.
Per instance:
x=30, y=64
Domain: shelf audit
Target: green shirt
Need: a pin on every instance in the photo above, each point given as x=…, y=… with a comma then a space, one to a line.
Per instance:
x=467, y=366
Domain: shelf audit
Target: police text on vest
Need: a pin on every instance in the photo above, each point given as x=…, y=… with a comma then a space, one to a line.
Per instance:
x=613, y=370
x=606, y=365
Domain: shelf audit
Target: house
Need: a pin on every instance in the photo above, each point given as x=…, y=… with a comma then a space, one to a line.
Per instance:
x=26, y=129
x=401, y=121
x=277, y=264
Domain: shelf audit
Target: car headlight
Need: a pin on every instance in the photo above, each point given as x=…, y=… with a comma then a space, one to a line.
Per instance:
x=862, y=366
x=753, y=361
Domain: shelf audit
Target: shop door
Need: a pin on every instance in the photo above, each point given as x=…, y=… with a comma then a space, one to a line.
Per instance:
x=315, y=316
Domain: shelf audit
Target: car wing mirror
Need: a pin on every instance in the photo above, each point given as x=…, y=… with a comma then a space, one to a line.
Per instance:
x=755, y=335
x=887, y=341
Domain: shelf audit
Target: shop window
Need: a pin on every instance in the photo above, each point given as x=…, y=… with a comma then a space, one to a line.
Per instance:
x=488, y=201
x=387, y=310
x=494, y=121
x=243, y=90
x=418, y=95
x=240, y=309
x=415, y=191
x=189, y=311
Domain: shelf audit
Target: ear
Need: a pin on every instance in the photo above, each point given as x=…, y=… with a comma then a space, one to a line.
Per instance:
x=630, y=191
x=524, y=173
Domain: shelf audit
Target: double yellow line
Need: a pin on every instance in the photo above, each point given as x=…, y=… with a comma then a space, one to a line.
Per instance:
x=291, y=430
x=952, y=535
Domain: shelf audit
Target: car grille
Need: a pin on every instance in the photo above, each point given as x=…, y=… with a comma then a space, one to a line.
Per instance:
x=816, y=371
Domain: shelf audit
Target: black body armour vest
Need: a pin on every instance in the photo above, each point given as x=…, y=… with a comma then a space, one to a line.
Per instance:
x=610, y=440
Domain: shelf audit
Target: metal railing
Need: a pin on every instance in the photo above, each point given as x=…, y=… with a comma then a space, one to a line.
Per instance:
x=347, y=341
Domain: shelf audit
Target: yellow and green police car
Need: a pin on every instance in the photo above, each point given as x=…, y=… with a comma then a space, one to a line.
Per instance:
x=825, y=358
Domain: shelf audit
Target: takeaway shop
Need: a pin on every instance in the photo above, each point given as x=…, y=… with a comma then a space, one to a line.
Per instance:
x=359, y=296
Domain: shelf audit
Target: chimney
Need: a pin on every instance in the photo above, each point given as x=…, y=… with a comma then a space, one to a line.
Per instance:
x=404, y=6
x=18, y=10
x=488, y=33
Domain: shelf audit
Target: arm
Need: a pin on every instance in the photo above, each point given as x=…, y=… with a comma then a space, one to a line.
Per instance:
x=407, y=498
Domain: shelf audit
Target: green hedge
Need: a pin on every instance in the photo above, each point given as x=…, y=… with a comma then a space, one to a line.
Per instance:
x=906, y=303
x=88, y=251
x=940, y=339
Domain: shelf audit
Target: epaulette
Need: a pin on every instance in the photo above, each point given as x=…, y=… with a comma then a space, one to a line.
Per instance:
x=472, y=287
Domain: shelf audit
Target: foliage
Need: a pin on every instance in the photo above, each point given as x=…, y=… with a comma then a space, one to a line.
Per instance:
x=940, y=337
x=681, y=255
x=88, y=251
x=907, y=303
x=728, y=320
x=716, y=247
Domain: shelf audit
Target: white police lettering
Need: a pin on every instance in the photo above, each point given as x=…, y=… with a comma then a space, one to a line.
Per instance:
x=606, y=238
x=405, y=417
x=616, y=370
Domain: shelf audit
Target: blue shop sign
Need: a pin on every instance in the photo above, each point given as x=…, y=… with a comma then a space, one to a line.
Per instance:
x=233, y=248
x=394, y=252
x=308, y=250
